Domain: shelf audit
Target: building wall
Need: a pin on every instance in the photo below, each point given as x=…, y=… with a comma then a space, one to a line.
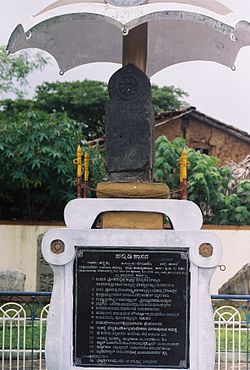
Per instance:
x=198, y=134
x=222, y=145
x=18, y=246
x=236, y=252
x=19, y=251
x=171, y=129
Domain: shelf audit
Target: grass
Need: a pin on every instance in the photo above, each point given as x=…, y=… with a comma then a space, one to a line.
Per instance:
x=16, y=316
x=232, y=341
x=30, y=333
x=232, y=313
x=226, y=337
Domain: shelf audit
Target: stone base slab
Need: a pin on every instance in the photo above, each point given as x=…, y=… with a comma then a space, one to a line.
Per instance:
x=132, y=220
x=141, y=190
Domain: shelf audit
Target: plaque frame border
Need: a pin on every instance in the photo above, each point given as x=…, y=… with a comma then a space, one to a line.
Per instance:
x=148, y=249
x=79, y=233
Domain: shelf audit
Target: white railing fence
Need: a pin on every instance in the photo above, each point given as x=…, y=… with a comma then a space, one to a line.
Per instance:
x=227, y=321
x=23, y=330
x=232, y=326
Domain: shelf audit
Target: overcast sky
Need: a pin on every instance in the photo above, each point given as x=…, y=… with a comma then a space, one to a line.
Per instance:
x=213, y=89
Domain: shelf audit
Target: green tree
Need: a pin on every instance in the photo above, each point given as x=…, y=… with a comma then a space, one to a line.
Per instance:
x=37, y=174
x=235, y=209
x=14, y=71
x=207, y=183
x=39, y=136
x=85, y=101
x=167, y=97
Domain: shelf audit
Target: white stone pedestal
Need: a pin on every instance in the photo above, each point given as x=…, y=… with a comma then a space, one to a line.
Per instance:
x=59, y=249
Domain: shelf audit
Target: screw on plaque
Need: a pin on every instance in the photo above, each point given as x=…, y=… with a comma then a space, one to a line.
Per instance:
x=57, y=246
x=206, y=250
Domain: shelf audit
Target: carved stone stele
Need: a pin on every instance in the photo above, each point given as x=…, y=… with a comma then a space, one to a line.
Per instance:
x=129, y=126
x=44, y=273
x=12, y=280
x=239, y=283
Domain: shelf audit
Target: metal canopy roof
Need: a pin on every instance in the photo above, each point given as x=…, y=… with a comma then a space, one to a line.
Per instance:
x=76, y=32
x=211, y=5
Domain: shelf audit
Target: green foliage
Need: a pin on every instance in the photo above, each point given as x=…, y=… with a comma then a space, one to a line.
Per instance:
x=14, y=335
x=231, y=340
x=39, y=136
x=96, y=168
x=15, y=69
x=236, y=207
x=167, y=161
x=37, y=174
x=84, y=101
x=208, y=183
x=167, y=98
x=11, y=107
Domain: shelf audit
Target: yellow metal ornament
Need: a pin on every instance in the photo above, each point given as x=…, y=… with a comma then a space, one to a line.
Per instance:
x=183, y=165
x=78, y=162
x=86, y=173
x=183, y=174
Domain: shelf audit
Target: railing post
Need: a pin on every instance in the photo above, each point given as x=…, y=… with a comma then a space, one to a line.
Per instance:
x=33, y=315
x=248, y=328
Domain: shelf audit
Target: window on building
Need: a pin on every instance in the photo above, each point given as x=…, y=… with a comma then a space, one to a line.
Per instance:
x=203, y=150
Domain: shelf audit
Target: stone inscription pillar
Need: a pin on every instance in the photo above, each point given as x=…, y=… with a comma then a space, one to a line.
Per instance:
x=129, y=127
x=130, y=149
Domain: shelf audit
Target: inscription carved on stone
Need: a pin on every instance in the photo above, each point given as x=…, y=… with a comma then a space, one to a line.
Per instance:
x=129, y=126
x=206, y=250
x=44, y=281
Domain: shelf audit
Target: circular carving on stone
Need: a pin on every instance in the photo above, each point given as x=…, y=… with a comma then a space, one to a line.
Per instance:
x=206, y=250
x=57, y=246
x=128, y=87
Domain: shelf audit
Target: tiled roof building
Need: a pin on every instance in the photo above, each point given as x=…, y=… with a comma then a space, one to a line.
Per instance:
x=204, y=133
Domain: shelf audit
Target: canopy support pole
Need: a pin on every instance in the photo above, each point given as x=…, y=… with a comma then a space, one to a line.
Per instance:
x=135, y=47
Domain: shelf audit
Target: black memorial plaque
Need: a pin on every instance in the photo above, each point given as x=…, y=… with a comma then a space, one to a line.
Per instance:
x=131, y=307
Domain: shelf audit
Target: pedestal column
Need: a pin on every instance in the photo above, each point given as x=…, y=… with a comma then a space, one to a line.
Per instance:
x=130, y=142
